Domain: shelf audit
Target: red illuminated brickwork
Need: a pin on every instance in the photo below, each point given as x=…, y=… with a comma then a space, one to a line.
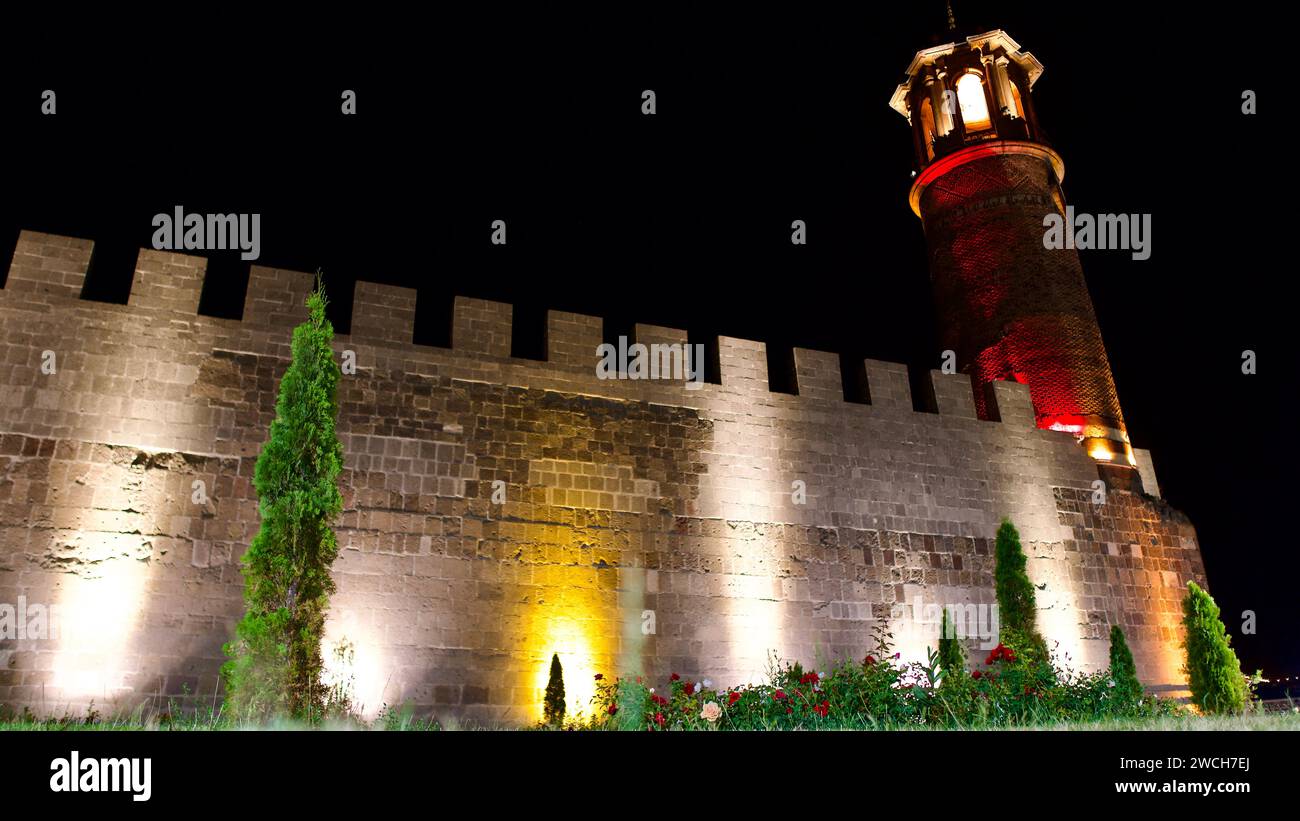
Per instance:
x=1010, y=308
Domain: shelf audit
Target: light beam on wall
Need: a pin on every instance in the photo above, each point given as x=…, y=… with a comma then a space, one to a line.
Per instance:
x=97, y=619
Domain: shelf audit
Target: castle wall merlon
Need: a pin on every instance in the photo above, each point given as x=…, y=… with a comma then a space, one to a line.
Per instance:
x=481, y=326
x=168, y=281
x=817, y=373
x=1010, y=403
x=276, y=297
x=887, y=384
x=742, y=365
x=49, y=264
x=658, y=335
x=953, y=395
x=383, y=313
x=572, y=339
x=1146, y=471
x=670, y=359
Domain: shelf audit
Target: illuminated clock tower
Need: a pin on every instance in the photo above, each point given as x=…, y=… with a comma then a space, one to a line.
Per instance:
x=1009, y=307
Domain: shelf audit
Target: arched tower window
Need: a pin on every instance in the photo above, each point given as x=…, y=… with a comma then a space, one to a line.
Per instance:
x=974, y=107
x=1019, y=108
x=927, y=128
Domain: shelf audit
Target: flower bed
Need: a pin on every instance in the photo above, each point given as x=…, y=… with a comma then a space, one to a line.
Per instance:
x=876, y=693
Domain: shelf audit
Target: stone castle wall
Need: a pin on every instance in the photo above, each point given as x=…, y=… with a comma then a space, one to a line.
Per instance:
x=646, y=527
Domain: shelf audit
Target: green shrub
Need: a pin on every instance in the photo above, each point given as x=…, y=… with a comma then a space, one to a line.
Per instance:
x=1017, y=605
x=952, y=658
x=1127, y=689
x=553, y=704
x=275, y=665
x=1213, y=672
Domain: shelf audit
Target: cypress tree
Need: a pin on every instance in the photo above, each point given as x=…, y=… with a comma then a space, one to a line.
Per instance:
x=952, y=659
x=1213, y=671
x=1122, y=669
x=1015, y=592
x=275, y=661
x=553, y=705
x=1017, y=605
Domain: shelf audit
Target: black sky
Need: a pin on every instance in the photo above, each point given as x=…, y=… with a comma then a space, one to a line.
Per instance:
x=682, y=218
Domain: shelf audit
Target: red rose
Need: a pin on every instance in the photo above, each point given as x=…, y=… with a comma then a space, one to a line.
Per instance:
x=822, y=709
x=659, y=719
x=871, y=660
x=733, y=698
x=690, y=688
x=778, y=695
x=674, y=677
x=613, y=708
x=975, y=674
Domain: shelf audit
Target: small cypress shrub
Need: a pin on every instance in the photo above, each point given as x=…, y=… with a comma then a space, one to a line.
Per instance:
x=952, y=659
x=553, y=704
x=1122, y=669
x=1017, y=604
x=1212, y=669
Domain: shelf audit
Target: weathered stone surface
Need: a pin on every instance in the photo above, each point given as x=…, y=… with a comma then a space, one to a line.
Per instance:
x=499, y=510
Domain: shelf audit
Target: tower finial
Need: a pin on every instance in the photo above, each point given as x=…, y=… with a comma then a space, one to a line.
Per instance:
x=952, y=21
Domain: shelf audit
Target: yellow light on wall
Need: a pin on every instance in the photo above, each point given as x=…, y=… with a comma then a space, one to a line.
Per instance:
x=574, y=613
x=1100, y=452
x=572, y=644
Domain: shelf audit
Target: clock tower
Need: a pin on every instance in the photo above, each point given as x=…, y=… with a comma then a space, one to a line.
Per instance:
x=986, y=177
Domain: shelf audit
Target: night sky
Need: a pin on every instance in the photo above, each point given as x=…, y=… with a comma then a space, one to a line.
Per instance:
x=683, y=218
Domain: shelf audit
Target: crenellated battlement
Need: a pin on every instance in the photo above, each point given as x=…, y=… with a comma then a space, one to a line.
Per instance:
x=383, y=316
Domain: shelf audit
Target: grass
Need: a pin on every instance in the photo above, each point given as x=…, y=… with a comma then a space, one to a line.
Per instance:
x=402, y=720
